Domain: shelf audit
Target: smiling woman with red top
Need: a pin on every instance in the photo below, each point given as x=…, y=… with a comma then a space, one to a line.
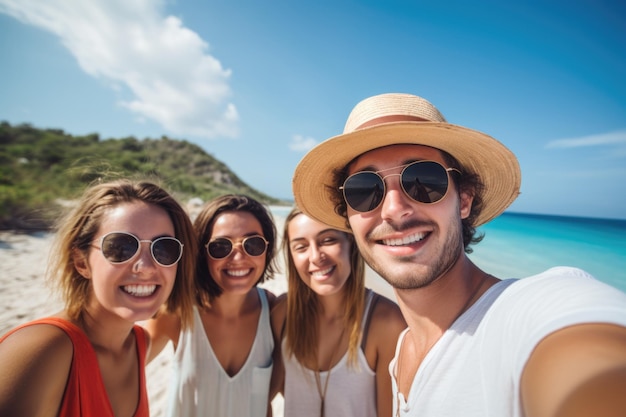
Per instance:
x=119, y=257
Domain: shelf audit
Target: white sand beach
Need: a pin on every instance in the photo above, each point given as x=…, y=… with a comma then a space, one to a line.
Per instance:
x=25, y=296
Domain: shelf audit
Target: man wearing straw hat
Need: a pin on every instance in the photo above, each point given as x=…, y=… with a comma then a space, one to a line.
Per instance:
x=413, y=188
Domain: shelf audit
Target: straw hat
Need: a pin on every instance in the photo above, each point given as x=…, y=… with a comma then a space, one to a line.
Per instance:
x=371, y=125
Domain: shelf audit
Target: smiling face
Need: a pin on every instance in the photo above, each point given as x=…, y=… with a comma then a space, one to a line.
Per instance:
x=408, y=243
x=238, y=272
x=320, y=254
x=133, y=290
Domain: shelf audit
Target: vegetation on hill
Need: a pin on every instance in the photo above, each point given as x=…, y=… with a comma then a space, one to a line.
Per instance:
x=40, y=169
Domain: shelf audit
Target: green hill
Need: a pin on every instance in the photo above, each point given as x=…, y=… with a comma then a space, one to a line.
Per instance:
x=42, y=168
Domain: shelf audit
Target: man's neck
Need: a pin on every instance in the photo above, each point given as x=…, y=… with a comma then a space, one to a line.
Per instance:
x=429, y=311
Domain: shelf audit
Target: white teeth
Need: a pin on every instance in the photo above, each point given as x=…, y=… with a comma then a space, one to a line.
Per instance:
x=139, y=290
x=238, y=272
x=322, y=272
x=405, y=240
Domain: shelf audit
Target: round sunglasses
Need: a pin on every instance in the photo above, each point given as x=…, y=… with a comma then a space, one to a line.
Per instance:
x=121, y=247
x=222, y=247
x=422, y=181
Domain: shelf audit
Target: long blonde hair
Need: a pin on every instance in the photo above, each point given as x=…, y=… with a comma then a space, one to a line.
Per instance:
x=301, y=330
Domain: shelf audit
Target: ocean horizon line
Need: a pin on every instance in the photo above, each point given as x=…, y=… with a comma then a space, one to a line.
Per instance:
x=564, y=216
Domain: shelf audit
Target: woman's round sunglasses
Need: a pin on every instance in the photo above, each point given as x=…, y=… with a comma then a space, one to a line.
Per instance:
x=422, y=181
x=222, y=247
x=121, y=247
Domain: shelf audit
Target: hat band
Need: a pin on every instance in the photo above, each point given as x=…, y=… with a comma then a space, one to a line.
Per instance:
x=389, y=119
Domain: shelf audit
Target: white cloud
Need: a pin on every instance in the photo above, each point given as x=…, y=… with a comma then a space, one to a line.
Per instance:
x=617, y=138
x=165, y=66
x=301, y=144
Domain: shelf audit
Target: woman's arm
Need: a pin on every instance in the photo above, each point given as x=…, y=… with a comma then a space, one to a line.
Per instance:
x=278, y=316
x=163, y=328
x=386, y=325
x=35, y=364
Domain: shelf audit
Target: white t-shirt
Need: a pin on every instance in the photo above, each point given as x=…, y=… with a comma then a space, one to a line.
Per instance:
x=474, y=370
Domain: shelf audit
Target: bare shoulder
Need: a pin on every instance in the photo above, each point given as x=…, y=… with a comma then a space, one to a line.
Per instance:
x=575, y=371
x=41, y=342
x=168, y=324
x=271, y=297
x=387, y=313
x=34, y=366
x=280, y=304
x=386, y=324
x=160, y=330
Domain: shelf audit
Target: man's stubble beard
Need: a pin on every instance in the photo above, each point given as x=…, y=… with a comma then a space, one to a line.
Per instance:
x=403, y=273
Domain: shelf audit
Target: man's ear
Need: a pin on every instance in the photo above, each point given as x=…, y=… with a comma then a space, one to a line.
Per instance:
x=81, y=263
x=465, y=204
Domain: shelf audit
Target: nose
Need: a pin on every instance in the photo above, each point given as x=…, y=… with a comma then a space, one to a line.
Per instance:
x=237, y=250
x=144, y=260
x=396, y=204
x=316, y=254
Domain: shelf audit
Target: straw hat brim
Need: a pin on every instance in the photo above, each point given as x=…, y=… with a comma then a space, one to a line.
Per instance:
x=496, y=165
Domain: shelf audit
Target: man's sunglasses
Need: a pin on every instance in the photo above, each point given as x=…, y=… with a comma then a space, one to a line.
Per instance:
x=222, y=247
x=422, y=181
x=121, y=247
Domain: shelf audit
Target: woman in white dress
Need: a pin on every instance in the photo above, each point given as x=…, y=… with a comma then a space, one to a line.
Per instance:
x=223, y=363
x=337, y=337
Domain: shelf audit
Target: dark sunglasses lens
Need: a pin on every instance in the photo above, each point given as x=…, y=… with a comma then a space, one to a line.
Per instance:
x=166, y=250
x=364, y=191
x=426, y=182
x=219, y=248
x=254, y=246
x=119, y=247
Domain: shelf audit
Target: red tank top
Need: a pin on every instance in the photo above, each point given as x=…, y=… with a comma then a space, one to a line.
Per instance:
x=85, y=394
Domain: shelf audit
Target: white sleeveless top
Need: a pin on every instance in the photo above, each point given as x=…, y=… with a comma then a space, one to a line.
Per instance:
x=474, y=369
x=200, y=386
x=351, y=390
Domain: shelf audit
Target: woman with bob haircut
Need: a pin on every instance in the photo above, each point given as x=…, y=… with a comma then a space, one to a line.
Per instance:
x=125, y=251
x=337, y=337
x=222, y=364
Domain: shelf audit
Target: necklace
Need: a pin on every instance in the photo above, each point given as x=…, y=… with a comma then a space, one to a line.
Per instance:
x=322, y=393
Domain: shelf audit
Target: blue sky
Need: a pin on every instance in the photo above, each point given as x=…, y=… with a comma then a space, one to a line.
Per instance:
x=256, y=84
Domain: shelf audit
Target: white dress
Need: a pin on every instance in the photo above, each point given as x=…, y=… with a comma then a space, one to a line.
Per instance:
x=351, y=391
x=201, y=387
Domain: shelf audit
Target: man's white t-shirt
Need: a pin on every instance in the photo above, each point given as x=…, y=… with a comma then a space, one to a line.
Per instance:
x=476, y=366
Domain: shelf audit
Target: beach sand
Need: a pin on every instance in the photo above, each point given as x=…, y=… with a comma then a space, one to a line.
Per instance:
x=25, y=296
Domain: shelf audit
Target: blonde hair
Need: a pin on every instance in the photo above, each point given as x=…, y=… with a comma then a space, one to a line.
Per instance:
x=76, y=231
x=301, y=330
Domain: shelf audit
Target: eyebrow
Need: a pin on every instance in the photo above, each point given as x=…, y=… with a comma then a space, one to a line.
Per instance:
x=245, y=235
x=329, y=230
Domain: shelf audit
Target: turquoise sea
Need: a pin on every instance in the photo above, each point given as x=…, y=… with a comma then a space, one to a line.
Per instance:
x=519, y=245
